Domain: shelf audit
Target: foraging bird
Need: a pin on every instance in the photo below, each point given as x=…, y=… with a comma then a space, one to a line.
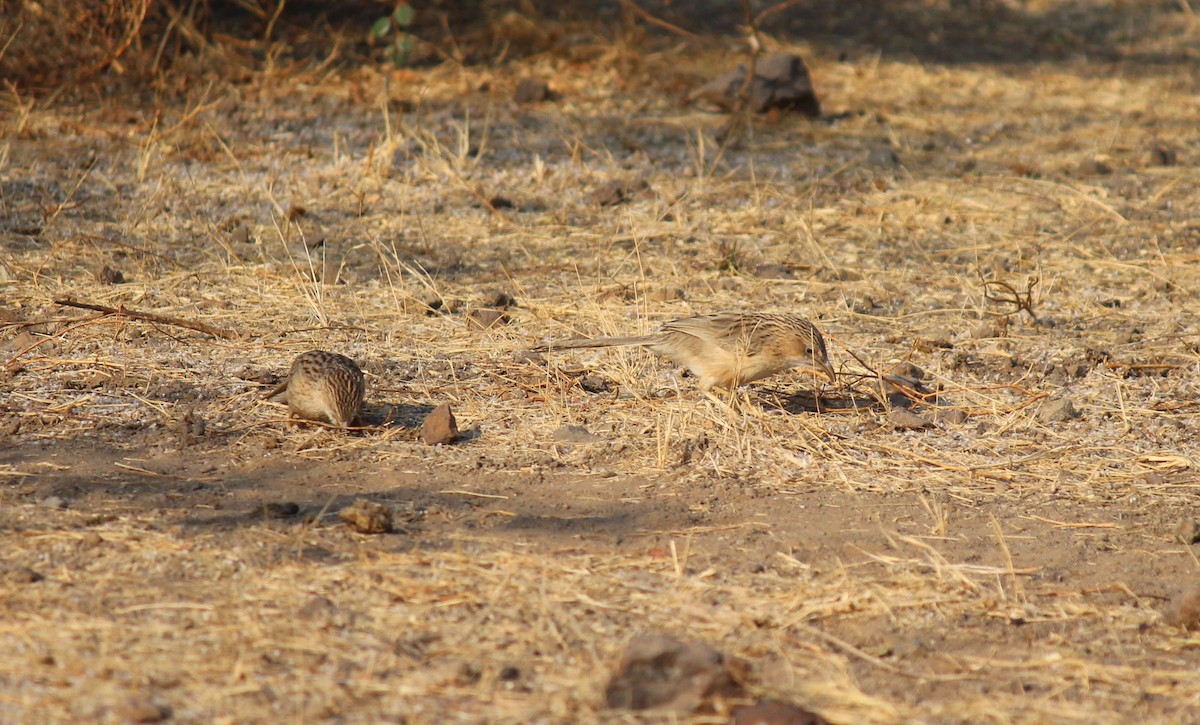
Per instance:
x=730, y=348
x=322, y=386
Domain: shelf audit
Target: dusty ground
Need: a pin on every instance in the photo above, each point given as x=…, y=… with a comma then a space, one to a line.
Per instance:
x=1010, y=563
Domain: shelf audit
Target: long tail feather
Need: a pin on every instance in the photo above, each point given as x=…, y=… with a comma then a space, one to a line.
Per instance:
x=597, y=342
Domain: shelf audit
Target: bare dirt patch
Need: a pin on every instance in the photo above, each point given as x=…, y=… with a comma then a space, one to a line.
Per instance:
x=996, y=247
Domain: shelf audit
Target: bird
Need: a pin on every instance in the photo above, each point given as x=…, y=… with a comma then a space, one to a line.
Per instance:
x=322, y=386
x=728, y=349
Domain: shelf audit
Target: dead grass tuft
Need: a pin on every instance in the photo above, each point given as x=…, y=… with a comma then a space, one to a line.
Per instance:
x=1025, y=278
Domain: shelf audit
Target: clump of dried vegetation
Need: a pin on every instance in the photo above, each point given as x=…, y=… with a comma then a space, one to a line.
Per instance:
x=977, y=523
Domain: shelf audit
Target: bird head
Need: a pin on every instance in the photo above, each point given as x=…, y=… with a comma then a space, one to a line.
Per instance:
x=808, y=353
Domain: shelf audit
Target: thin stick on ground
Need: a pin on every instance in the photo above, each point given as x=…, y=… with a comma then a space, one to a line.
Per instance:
x=122, y=311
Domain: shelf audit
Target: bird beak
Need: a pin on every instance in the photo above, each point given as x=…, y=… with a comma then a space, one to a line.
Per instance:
x=823, y=367
x=827, y=368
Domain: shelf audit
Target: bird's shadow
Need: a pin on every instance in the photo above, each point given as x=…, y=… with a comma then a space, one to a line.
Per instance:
x=394, y=415
x=807, y=401
x=846, y=400
x=405, y=417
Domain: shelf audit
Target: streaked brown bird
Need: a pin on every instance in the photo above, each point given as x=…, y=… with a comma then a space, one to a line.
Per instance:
x=729, y=349
x=322, y=386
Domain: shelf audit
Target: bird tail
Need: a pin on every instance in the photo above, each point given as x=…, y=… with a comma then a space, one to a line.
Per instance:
x=596, y=342
x=279, y=394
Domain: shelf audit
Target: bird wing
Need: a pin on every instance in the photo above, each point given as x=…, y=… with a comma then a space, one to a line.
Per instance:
x=728, y=330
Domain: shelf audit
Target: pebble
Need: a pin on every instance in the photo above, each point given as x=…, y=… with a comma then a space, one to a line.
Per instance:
x=440, y=427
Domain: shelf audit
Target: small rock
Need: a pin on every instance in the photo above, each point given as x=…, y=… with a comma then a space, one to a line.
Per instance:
x=9, y=425
x=771, y=270
x=498, y=299
x=781, y=81
x=595, y=384
x=1184, y=609
x=529, y=357
x=54, y=502
x=619, y=191
x=20, y=575
x=1188, y=531
x=985, y=329
x=660, y=672
x=280, y=509
x=109, y=275
x=1057, y=411
x=1097, y=165
x=142, y=710
x=575, y=434
x=439, y=427
x=774, y=712
x=240, y=234
x=486, y=319
x=317, y=607
x=883, y=157
x=842, y=274
x=1163, y=155
x=1077, y=370
x=904, y=419
x=940, y=338
x=531, y=90
x=89, y=540
x=433, y=302
x=367, y=517
x=667, y=294
x=188, y=425
x=952, y=416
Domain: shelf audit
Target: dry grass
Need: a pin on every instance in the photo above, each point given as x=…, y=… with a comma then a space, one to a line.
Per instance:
x=1009, y=568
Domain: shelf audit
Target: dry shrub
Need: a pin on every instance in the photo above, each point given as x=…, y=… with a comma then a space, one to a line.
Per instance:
x=45, y=43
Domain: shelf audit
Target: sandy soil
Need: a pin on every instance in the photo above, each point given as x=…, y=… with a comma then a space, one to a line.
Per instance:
x=1012, y=229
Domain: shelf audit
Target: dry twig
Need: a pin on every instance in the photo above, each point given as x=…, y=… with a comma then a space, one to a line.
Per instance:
x=122, y=311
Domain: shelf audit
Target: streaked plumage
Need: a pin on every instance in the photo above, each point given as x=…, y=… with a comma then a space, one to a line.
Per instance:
x=322, y=386
x=729, y=349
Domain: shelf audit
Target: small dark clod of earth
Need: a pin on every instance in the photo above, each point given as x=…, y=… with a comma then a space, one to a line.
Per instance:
x=1057, y=411
x=774, y=712
x=595, y=384
x=619, y=191
x=884, y=157
x=1187, y=531
x=20, y=575
x=240, y=234
x=279, y=509
x=486, y=319
x=109, y=275
x=367, y=517
x=1163, y=155
x=659, y=672
x=575, y=434
x=781, y=82
x=531, y=90
x=142, y=710
x=318, y=607
x=1184, y=609
x=904, y=419
x=498, y=299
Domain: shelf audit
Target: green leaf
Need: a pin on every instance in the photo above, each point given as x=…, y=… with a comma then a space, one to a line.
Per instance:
x=403, y=15
x=381, y=28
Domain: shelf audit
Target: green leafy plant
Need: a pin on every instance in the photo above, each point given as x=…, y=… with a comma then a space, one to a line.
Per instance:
x=392, y=29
